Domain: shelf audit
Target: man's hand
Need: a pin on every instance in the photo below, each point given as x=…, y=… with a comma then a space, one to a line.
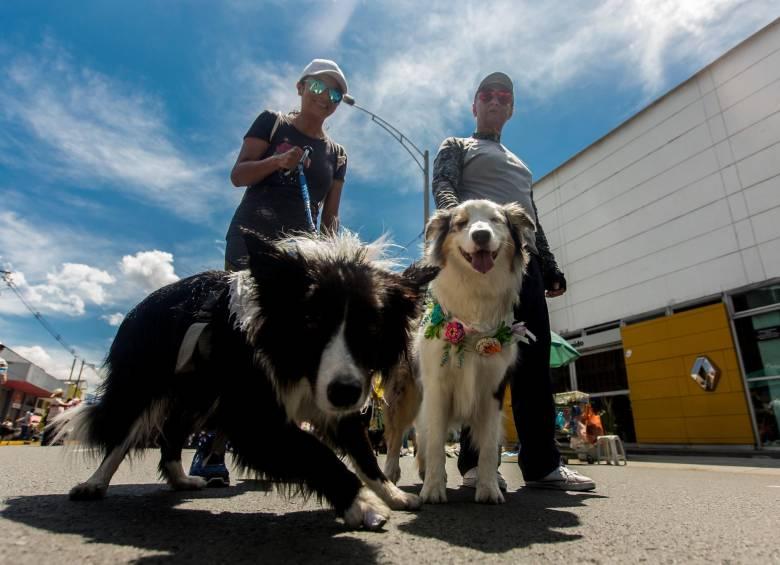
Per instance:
x=556, y=290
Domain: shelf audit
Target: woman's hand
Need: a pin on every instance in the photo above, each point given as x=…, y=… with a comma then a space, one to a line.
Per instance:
x=289, y=159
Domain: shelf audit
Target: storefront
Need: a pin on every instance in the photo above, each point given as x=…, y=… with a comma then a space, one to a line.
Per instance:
x=756, y=321
x=600, y=372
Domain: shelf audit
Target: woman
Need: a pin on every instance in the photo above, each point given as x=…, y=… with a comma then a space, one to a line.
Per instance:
x=267, y=165
x=273, y=203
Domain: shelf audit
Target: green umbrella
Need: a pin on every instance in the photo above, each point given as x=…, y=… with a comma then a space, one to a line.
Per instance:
x=561, y=351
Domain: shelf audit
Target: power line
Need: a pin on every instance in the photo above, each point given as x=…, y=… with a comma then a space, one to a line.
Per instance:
x=415, y=238
x=38, y=316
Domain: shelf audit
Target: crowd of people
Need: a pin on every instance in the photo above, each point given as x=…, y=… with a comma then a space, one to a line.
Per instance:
x=30, y=426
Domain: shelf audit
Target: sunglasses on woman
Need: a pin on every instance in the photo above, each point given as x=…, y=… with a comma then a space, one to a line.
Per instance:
x=504, y=97
x=316, y=86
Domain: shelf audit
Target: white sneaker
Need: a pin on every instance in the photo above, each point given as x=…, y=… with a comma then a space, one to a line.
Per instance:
x=564, y=478
x=470, y=479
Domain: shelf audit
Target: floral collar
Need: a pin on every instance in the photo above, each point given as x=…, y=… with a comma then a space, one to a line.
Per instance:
x=461, y=337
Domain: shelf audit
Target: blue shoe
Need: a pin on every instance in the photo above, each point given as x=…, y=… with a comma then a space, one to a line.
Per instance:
x=210, y=466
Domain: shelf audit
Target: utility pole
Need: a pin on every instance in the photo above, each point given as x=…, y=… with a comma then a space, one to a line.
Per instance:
x=78, y=381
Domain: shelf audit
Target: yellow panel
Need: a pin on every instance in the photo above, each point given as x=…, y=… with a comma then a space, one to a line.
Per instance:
x=685, y=323
x=666, y=348
x=666, y=430
x=660, y=388
x=656, y=408
x=653, y=370
x=668, y=406
x=715, y=404
x=720, y=429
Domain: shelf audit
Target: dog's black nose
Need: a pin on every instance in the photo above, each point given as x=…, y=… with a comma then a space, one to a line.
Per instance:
x=480, y=237
x=344, y=391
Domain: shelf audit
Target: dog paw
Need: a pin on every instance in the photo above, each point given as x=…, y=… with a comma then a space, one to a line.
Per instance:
x=393, y=470
x=400, y=500
x=489, y=494
x=88, y=491
x=367, y=511
x=189, y=483
x=434, y=492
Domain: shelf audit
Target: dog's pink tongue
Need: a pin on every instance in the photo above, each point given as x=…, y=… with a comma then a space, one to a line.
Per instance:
x=482, y=261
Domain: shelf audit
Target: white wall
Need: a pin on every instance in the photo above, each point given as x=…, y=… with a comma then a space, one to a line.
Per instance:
x=679, y=202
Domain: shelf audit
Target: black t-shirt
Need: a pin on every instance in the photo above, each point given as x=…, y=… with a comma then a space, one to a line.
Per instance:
x=275, y=204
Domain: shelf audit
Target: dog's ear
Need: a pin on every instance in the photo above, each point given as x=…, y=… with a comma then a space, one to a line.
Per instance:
x=256, y=244
x=272, y=266
x=435, y=233
x=521, y=226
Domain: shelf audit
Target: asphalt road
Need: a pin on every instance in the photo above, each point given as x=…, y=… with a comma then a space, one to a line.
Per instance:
x=648, y=511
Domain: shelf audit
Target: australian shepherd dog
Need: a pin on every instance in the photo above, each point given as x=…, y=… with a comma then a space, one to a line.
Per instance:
x=466, y=342
x=294, y=338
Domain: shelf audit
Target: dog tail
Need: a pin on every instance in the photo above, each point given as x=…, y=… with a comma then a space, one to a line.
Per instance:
x=73, y=424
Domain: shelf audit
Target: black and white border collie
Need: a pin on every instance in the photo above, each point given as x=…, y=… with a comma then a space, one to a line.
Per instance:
x=458, y=373
x=294, y=338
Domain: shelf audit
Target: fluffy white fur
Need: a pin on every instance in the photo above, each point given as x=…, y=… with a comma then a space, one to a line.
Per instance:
x=470, y=394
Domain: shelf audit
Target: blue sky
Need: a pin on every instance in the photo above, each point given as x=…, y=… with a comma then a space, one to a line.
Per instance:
x=119, y=122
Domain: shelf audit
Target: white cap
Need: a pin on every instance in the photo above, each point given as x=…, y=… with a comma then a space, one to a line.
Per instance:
x=319, y=67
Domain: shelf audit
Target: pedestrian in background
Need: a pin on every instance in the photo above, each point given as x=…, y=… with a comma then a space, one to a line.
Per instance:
x=481, y=167
x=25, y=425
x=56, y=407
x=273, y=203
x=3, y=368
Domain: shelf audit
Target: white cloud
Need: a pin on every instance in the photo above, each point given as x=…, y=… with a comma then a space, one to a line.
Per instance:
x=83, y=280
x=150, y=269
x=98, y=130
x=66, y=292
x=113, y=319
x=325, y=23
x=58, y=363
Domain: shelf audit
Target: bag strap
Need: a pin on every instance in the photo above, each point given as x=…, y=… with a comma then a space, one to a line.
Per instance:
x=273, y=129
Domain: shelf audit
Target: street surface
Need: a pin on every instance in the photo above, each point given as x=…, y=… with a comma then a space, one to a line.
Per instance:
x=649, y=511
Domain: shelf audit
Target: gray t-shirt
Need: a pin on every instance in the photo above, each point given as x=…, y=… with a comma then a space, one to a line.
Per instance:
x=488, y=170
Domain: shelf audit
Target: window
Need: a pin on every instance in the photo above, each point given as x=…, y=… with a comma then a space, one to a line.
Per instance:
x=602, y=372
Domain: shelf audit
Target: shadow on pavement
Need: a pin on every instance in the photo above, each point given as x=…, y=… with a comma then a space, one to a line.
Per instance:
x=529, y=516
x=144, y=516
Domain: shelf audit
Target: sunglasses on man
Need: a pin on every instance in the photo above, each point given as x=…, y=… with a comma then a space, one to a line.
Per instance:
x=316, y=86
x=504, y=97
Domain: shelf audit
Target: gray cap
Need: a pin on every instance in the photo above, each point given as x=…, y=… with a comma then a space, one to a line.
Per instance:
x=319, y=67
x=496, y=79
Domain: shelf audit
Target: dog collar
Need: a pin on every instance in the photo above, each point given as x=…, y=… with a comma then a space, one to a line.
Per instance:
x=460, y=337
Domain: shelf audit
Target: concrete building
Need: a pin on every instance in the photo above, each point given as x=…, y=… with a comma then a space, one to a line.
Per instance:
x=28, y=387
x=668, y=230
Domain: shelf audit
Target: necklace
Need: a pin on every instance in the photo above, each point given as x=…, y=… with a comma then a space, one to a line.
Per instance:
x=460, y=337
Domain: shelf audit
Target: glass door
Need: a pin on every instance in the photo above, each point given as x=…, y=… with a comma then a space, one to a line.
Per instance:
x=758, y=334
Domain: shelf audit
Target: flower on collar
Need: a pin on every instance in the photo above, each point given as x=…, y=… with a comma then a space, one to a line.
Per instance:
x=437, y=314
x=454, y=332
x=488, y=346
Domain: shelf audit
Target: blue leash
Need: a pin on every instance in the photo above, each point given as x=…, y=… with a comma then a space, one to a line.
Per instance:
x=305, y=187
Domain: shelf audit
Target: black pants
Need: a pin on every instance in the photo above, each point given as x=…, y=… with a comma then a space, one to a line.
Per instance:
x=532, y=401
x=236, y=253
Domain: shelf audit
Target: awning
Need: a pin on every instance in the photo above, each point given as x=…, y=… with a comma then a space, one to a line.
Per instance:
x=28, y=388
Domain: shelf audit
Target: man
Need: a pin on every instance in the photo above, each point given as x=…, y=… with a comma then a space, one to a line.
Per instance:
x=481, y=167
